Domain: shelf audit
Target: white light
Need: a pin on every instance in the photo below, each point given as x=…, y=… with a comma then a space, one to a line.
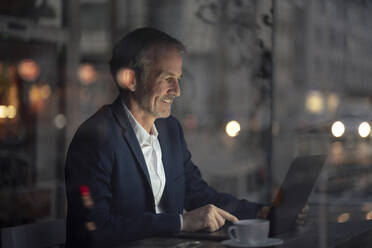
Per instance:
x=338, y=129
x=364, y=129
x=60, y=121
x=232, y=128
x=314, y=102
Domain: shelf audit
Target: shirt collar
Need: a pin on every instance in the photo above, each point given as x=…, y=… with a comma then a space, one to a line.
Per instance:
x=142, y=135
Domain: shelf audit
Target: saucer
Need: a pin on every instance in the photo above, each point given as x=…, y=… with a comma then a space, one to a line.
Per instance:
x=267, y=242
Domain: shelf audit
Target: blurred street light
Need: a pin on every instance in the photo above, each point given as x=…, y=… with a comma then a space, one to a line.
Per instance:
x=342, y=218
x=232, y=128
x=87, y=74
x=3, y=111
x=314, y=102
x=60, y=121
x=364, y=129
x=28, y=69
x=332, y=102
x=45, y=91
x=12, y=111
x=369, y=215
x=338, y=129
x=7, y=111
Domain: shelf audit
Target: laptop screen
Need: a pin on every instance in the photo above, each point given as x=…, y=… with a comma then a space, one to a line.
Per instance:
x=294, y=192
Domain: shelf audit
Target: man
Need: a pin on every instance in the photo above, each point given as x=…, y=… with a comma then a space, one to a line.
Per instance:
x=129, y=173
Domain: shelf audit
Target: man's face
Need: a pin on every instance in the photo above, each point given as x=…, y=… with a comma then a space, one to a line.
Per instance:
x=156, y=94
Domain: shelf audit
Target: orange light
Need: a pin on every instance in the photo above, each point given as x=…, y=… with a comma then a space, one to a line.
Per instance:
x=342, y=218
x=34, y=94
x=3, y=111
x=87, y=74
x=28, y=69
x=90, y=226
x=369, y=215
x=45, y=91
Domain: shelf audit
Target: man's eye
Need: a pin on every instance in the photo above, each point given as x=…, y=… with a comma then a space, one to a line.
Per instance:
x=170, y=80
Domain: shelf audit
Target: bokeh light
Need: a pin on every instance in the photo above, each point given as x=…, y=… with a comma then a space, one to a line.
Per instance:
x=364, y=129
x=332, y=102
x=28, y=69
x=3, y=111
x=45, y=91
x=314, y=102
x=34, y=94
x=338, y=129
x=12, y=111
x=90, y=226
x=342, y=218
x=87, y=74
x=60, y=121
x=232, y=128
x=369, y=215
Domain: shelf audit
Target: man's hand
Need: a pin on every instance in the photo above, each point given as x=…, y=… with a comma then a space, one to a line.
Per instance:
x=301, y=217
x=208, y=217
x=300, y=220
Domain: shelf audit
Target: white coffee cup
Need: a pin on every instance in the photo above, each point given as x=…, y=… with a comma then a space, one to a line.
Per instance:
x=250, y=231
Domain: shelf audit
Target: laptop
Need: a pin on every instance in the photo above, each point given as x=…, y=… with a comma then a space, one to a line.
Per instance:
x=288, y=202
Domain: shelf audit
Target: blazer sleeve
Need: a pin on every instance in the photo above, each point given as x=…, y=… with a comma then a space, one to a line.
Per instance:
x=198, y=193
x=91, y=163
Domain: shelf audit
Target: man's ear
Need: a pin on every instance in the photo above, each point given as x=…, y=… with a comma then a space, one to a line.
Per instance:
x=126, y=79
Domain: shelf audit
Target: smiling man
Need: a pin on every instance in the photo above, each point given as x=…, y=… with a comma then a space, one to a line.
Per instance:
x=129, y=173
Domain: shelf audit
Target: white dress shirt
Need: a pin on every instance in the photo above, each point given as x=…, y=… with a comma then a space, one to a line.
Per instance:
x=151, y=150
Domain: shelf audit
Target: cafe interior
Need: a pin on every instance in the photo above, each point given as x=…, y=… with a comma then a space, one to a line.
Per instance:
x=264, y=82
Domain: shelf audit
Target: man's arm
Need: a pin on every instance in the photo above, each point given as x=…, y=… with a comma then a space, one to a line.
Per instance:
x=199, y=194
x=92, y=166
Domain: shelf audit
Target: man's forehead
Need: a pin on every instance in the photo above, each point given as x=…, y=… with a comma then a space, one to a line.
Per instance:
x=169, y=73
x=158, y=51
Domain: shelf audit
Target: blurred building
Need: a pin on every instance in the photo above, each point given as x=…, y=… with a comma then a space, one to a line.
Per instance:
x=55, y=74
x=263, y=82
x=322, y=52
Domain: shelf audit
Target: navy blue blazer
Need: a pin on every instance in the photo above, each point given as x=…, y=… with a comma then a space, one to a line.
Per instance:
x=105, y=156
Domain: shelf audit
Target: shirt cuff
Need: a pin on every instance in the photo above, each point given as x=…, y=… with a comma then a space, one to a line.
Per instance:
x=181, y=222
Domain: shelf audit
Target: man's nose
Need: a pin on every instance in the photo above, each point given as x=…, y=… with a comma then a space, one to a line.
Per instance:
x=176, y=87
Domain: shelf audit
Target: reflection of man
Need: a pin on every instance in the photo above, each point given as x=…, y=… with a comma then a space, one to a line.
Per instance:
x=130, y=161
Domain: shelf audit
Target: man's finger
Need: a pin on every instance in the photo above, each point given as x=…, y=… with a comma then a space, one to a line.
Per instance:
x=226, y=215
x=306, y=209
x=220, y=219
x=212, y=225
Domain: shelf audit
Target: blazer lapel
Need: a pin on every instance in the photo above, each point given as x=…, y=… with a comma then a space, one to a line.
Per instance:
x=167, y=199
x=129, y=135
